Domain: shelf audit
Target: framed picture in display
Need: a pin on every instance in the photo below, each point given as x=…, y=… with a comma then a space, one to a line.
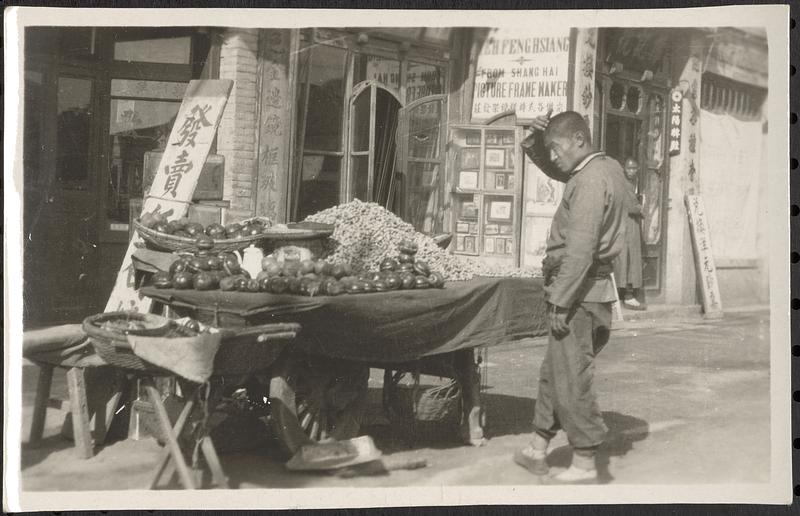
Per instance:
x=491, y=229
x=469, y=244
x=470, y=158
x=500, y=211
x=469, y=210
x=500, y=181
x=473, y=138
x=510, y=182
x=495, y=158
x=462, y=227
x=468, y=179
x=460, y=243
x=488, y=245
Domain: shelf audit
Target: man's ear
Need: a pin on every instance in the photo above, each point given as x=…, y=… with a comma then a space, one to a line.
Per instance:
x=580, y=138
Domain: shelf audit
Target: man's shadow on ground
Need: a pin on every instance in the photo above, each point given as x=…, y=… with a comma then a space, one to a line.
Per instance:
x=513, y=415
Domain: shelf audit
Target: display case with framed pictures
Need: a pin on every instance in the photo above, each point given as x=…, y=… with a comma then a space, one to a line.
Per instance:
x=486, y=177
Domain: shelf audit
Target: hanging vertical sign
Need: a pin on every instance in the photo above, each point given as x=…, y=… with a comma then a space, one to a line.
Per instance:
x=704, y=259
x=676, y=115
x=522, y=72
x=177, y=175
x=274, y=117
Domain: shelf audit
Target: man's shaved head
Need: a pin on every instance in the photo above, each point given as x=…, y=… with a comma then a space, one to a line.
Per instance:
x=568, y=123
x=568, y=140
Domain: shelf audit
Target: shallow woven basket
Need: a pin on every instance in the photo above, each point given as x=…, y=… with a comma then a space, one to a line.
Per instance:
x=171, y=243
x=113, y=346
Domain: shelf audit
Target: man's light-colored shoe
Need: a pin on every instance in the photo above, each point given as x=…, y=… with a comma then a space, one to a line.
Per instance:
x=632, y=303
x=533, y=460
x=575, y=475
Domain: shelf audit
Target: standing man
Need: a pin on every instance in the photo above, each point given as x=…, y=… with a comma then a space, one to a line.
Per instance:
x=587, y=233
x=628, y=265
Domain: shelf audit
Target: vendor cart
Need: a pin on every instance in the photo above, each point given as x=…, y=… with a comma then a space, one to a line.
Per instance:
x=318, y=386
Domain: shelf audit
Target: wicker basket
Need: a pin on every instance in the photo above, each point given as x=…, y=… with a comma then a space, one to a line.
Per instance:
x=113, y=346
x=290, y=232
x=436, y=404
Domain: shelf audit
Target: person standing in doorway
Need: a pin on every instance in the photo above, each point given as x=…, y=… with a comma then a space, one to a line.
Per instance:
x=586, y=234
x=628, y=265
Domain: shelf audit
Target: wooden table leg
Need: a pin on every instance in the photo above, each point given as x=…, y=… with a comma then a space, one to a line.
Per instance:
x=172, y=442
x=469, y=379
x=105, y=387
x=80, y=412
x=42, y=401
x=177, y=429
x=210, y=453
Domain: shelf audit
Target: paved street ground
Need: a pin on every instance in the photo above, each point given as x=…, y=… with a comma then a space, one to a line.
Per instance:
x=686, y=402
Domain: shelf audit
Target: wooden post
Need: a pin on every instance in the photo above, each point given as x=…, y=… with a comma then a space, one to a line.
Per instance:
x=80, y=412
x=42, y=401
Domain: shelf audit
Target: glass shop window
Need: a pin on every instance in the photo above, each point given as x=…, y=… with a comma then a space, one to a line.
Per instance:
x=167, y=50
x=423, y=80
x=141, y=117
x=626, y=98
x=73, y=131
x=320, y=109
x=379, y=69
x=34, y=138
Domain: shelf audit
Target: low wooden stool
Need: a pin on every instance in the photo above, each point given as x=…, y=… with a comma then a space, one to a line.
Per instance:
x=98, y=405
x=67, y=347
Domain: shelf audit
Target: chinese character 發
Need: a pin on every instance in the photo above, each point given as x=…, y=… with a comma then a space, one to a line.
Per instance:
x=675, y=132
x=192, y=124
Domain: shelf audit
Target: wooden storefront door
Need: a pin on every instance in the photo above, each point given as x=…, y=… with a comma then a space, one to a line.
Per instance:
x=61, y=156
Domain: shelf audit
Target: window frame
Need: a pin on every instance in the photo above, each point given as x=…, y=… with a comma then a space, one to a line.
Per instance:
x=395, y=50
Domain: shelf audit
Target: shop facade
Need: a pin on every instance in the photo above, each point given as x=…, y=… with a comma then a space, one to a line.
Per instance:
x=427, y=122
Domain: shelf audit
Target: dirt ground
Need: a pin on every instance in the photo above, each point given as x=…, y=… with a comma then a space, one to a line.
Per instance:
x=686, y=401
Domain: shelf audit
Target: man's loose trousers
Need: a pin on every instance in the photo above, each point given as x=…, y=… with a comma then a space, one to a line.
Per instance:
x=566, y=393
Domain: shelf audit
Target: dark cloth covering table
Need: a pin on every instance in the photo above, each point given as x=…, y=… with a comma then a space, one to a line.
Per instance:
x=403, y=330
x=389, y=327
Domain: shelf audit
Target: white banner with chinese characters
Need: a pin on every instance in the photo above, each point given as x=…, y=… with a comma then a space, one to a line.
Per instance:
x=704, y=256
x=178, y=172
x=521, y=70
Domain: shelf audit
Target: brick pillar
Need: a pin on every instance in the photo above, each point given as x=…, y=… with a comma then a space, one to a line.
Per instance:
x=236, y=138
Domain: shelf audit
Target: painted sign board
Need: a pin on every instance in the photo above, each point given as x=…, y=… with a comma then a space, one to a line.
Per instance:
x=517, y=70
x=675, y=117
x=177, y=175
x=704, y=259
